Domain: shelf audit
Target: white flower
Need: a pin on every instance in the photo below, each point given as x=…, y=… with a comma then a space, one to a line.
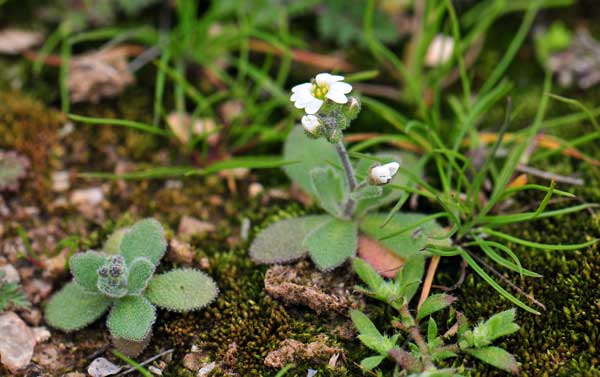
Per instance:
x=311, y=124
x=311, y=95
x=439, y=51
x=382, y=174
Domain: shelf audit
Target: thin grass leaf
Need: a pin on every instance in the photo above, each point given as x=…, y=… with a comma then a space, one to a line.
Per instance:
x=249, y=162
x=537, y=245
x=414, y=225
x=488, y=248
x=503, y=292
x=121, y=123
x=574, y=102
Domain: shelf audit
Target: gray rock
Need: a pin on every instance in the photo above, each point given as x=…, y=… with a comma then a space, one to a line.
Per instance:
x=16, y=342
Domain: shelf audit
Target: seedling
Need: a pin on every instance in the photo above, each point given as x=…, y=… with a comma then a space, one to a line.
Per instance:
x=348, y=191
x=423, y=353
x=121, y=279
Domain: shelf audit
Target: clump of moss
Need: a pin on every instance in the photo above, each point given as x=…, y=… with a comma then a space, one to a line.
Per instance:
x=245, y=315
x=30, y=128
x=564, y=339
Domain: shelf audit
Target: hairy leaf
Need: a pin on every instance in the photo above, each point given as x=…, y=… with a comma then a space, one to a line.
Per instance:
x=369, y=335
x=131, y=318
x=367, y=274
x=432, y=330
x=410, y=275
x=84, y=267
x=144, y=239
x=12, y=296
x=372, y=362
x=282, y=241
x=367, y=192
x=435, y=303
x=113, y=244
x=405, y=244
x=332, y=243
x=140, y=272
x=497, y=357
x=501, y=324
x=310, y=153
x=72, y=308
x=328, y=185
x=182, y=290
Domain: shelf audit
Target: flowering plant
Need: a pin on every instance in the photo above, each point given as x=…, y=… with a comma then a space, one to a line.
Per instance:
x=347, y=189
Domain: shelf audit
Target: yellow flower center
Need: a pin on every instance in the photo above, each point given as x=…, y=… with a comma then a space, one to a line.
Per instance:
x=319, y=91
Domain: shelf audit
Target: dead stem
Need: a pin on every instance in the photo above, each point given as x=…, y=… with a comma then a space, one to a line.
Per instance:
x=507, y=281
x=433, y=264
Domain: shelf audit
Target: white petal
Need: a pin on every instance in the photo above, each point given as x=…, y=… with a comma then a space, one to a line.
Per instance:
x=327, y=79
x=302, y=96
x=341, y=87
x=313, y=106
x=392, y=167
x=305, y=86
x=336, y=96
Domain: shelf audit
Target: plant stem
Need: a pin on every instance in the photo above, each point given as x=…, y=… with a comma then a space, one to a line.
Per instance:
x=350, y=205
x=415, y=334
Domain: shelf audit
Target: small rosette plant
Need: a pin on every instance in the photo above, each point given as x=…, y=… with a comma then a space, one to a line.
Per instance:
x=425, y=347
x=350, y=187
x=121, y=279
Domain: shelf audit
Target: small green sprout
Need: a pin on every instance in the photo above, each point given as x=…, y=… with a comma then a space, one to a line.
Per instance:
x=11, y=295
x=347, y=190
x=121, y=278
x=424, y=352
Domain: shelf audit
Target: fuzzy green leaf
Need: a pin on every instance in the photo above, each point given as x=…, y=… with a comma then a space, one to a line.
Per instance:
x=131, y=318
x=72, y=308
x=145, y=238
x=329, y=188
x=140, y=272
x=11, y=295
x=182, y=290
x=389, y=194
x=368, y=275
x=84, y=267
x=435, y=303
x=310, y=153
x=501, y=324
x=497, y=357
x=282, y=241
x=432, y=330
x=369, y=335
x=113, y=244
x=372, y=362
x=409, y=277
x=405, y=244
x=332, y=243
x=367, y=192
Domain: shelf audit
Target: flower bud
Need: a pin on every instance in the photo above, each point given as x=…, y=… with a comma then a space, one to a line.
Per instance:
x=312, y=125
x=382, y=174
x=352, y=108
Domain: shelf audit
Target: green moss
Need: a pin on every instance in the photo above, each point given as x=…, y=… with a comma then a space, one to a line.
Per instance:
x=31, y=128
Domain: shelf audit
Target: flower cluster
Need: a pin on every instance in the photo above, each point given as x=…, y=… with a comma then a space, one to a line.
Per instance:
x=328, y=109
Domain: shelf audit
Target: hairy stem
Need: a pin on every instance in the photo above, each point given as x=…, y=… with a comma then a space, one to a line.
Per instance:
x=415, y=334
x=350, y=205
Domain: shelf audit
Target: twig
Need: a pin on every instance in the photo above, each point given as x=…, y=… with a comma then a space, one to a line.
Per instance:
x=147, y=361
x=507, y=281
x=433, y=264
x=549, y=175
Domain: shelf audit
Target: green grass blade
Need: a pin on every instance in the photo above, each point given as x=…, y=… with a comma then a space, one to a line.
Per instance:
x=503, y=292
x=536, y=245
x=120, y=123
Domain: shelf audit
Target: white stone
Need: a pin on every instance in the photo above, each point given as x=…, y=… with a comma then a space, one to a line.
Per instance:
x=17, y=341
